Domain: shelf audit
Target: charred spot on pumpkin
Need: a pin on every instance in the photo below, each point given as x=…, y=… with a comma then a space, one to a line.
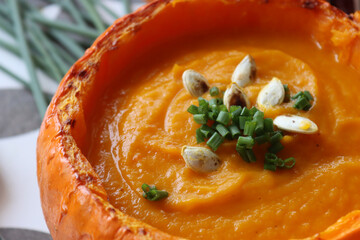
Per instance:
x=70, y=85
x=70, y=122
x=309, y=4
x=112, y=210
x=83, y=74
x=127, y=229
x=142, y=231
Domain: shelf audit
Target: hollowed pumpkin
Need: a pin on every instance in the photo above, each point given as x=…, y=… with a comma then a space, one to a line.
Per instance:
x=74, y=200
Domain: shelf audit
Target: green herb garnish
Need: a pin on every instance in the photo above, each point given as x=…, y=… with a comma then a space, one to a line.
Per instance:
x=247, y=126
x=214, y=91
x=303, y=100
x=152, y=194
x=200, y=118
x=272, y=162
x=215, y=141
x=287, y=93
x=223, y=118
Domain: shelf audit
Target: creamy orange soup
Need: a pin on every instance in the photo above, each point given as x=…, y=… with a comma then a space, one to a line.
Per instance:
x=141, y=124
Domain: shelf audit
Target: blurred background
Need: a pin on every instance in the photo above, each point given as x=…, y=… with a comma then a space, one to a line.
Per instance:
x=39, y=41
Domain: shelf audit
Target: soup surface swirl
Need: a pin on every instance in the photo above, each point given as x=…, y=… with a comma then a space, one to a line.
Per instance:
x=141, y=124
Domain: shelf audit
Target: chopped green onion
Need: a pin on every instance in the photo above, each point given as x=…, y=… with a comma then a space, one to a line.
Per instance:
x=193, y=109
x=242, y=152
x=270, y=157
x=235, y=113
x=249, y=128
x=245, y=112
x=214, y=107
x=207, y=131
x=214, y=91
x=236, y=109
x=220, y=101
x=269, y=166
x=250, y=155
x=200, y=136
x=243, y=120
x=223, y=108
x=262, y=139
x=222, y=130
x=214, y=126
x=213, y=115
x=252, y=111
x=215, y=141
x=201, y=99
x=276, y=138
x=289, y=162
x=152, y=194
x=200, y=118
x=270, y=161
x=235, y=131
x=268, y=125
x=229, y=123
x=280, y=163
x=308, y=95
x=303, y=100
x=213, y=102
x=276, y=147
x=302, y=103
x=247, y=142
x=223, y=118
x=287, y=93
x=203, y=106
x=259, y=119
x=299, y=94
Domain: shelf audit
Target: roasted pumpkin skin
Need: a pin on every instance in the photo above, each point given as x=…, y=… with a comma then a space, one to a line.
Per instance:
x=74, y=202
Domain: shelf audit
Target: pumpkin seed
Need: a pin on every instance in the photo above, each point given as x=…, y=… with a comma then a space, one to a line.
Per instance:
x=195, y=83
x=272, y=94
x=234, y=95
x=200, y=159
x=244, y=72
x=296, y=124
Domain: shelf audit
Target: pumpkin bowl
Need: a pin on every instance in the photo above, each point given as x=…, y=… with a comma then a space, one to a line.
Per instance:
x=74, y=200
